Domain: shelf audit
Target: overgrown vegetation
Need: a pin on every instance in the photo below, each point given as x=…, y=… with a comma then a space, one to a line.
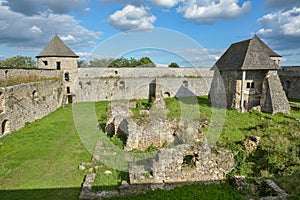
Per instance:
x=18, y=62
x=200, y=191
x=40, y=161
x=23, y=79
x=117, y=63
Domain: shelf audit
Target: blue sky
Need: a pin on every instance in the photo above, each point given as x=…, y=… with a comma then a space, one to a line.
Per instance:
x=189, y=32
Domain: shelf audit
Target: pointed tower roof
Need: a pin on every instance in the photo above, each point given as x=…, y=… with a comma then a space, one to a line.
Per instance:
x=252, y=54
x=57, y=48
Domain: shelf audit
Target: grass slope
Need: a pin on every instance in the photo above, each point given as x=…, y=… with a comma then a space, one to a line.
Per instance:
x=41, y=160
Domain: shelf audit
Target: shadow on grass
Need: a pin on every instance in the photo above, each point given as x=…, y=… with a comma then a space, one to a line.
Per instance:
x=45, y=194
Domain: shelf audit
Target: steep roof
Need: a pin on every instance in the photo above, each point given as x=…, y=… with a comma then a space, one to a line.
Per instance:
x=252, y=54
x=57, y=48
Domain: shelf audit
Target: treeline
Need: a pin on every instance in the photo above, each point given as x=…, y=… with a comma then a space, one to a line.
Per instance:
x=117, y=63
x=18, y=62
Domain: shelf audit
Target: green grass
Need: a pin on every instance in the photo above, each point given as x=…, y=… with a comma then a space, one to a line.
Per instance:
x=199, y=191
x=41, y=160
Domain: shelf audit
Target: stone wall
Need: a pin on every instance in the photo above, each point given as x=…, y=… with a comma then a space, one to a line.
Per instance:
x=274, y=99
x=27, y=103
x=185, y=163
x=41, y=73
x=135, y=83
x=290, y=79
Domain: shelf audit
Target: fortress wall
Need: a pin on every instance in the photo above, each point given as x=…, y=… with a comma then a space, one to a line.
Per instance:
x=28, y=102
x=42, y=73
x=130, y=83
x=144, y=72
x=290, y=79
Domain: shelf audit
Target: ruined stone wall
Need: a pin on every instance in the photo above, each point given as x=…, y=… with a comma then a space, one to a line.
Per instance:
x=42, y=73
x=290, y=79
x=184, y=163
x=135, y=83
x=28, y=102
x=273, y=98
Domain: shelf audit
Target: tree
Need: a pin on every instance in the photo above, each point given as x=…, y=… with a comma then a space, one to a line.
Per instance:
x=18, y=62
x=173, y=65
x=82, y=63
x=103, y=62
x=146, y=62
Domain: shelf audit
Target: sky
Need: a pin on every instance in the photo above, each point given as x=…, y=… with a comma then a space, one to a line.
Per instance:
x=189, y=32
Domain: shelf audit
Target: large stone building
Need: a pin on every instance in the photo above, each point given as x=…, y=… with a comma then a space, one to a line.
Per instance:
x=248, y=70
x=56, y=55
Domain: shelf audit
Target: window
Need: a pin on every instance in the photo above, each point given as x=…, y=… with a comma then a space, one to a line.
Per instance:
x=185, y=84
x=67, y=77
x=250, y=85
x=68, y=90
x=122, y=85
x=45, y=62
x=58, y=66
x=116, y=72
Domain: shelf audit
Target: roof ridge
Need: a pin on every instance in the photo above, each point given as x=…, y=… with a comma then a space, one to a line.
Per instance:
x=56, y=48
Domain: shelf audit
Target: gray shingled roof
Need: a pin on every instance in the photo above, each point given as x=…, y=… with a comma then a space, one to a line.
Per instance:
x=57, y=48
x=252, y=54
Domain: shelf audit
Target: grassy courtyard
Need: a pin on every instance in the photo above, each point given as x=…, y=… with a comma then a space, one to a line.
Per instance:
x=41, y=160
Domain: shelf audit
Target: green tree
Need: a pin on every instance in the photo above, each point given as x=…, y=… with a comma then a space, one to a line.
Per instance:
x=103, y=62
x=82, y=63
x=173, y=65
x=146, y=62
x=18, y=62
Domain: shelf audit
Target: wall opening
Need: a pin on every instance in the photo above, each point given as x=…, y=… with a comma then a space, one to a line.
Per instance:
x=5, y=127
x=189, y=161
x=70, y=99
x=68, y=90
x=67, y=76
x=250, y=85
x=116, y=72
x=122, y=85
x=58, y=67
x=45, y=62
x=167, y=95
x=185, y=84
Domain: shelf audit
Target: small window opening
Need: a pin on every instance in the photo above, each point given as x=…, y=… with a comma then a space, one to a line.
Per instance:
x=67, y=76
x=189, y=161
x=45, y=62
x=116, y=72
x=122, y=85
x=58, y=67
x=167, y=95
x=68, y=90
x=185, y=84
x=250, y=85
x=5, y=127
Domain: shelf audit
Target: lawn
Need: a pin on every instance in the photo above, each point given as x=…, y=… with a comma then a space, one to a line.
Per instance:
x=41, y=160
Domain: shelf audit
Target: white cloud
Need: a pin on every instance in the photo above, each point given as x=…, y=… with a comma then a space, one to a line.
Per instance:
x=281, y=28
x=68, y=38
x=132, y=17
x=166, y=3
x=33, y=32
x=209, y=11
x=281, y=3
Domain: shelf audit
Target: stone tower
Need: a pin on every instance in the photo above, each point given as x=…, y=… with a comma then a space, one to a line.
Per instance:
x=248, y=70
x=58, y=56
